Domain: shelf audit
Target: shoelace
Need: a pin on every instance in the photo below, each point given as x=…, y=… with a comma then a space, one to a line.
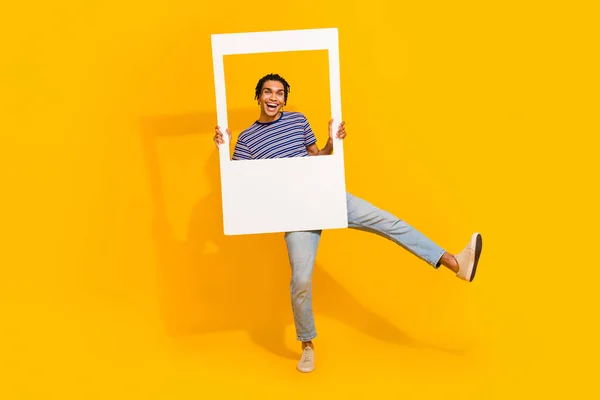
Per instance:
x=306, y=353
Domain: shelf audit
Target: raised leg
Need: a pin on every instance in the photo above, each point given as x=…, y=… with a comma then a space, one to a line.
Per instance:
x=364, y=216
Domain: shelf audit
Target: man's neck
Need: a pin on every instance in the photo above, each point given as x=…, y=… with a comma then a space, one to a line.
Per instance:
x=265, y=118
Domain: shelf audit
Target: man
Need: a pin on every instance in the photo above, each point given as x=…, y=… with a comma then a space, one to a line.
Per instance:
x=278, y=134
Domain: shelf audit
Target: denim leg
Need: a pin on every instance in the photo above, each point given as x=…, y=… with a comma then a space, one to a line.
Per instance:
x=302, y=251
x=366, y=217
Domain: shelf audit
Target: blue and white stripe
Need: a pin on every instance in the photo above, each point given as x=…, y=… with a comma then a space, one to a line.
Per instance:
x=285, y=137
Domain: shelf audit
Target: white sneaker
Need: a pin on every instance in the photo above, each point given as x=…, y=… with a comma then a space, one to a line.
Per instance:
x=469, y=258
x=307, y=362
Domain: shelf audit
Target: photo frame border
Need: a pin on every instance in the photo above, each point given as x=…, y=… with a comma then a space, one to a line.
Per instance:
x=271, y=42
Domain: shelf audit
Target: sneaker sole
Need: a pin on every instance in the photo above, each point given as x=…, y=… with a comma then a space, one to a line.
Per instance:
x=478, y=245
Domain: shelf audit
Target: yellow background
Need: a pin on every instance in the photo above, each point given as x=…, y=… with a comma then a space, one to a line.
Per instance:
x=117, y=281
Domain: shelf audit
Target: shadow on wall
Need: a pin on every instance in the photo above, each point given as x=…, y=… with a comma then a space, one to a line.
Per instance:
x=244, y=284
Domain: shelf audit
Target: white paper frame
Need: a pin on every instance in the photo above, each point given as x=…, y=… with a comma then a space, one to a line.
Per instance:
x=287, y=194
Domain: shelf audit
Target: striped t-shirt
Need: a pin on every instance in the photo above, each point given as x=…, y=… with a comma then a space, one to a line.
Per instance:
x=285, y=137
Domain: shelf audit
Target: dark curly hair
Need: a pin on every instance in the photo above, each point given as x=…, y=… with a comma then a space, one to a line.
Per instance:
x=272, y=77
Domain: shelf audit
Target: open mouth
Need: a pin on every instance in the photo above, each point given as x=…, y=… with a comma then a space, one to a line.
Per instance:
x=271, y=106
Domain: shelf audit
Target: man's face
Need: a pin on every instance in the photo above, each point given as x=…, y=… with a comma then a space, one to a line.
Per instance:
x=271, y=98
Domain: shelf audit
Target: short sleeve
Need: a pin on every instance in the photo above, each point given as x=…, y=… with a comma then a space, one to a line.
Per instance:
x=241, y=151
x=309, y=136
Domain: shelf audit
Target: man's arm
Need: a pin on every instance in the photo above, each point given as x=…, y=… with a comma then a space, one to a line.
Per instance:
x=313, y=150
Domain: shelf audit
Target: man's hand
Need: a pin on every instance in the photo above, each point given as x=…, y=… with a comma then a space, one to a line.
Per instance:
x=313, y=150
x=341, y=132
x=218, y=138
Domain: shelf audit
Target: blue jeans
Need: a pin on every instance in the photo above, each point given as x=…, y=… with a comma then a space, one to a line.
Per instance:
x=302, y=251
